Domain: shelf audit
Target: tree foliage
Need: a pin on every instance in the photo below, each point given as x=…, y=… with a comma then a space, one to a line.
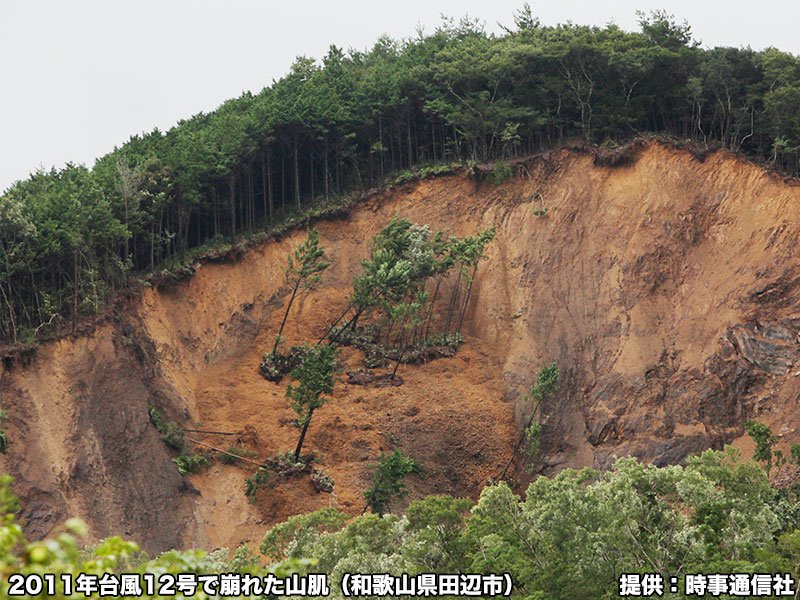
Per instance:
x=70, y=237
x=580, y=529
x=65, y=553
x=400, y=291
x=315, y=377
x=545, y=386
x=388, y=480
x=303, y=272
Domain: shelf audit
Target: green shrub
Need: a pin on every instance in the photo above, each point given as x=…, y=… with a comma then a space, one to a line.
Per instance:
x=255, y=482
x=243, y=560
x=191, y=463
x=3, y=435
x=321, y=481
x=274, y=366
x=434, y=170
x=424, y=172
x=500, y=173
x=239, y=451
x=404, y=177
x=387, y=480
x=283, y=539
x=764, y=440
x=171, y=433
x=285, y=464
x=533, y=436
x=794, y=453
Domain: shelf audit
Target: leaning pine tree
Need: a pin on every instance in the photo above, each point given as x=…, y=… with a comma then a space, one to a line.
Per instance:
x=315, y=378
x=302, y=273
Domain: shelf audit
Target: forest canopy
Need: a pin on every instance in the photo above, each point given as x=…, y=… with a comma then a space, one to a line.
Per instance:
x=71, y=237
x=579, y=530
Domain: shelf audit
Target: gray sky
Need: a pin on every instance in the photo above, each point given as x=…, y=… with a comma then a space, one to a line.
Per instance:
x=78, y=77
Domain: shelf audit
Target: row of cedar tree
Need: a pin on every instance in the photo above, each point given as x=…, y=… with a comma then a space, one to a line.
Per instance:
x=70, y=237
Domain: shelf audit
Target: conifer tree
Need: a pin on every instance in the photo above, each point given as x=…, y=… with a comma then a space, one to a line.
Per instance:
x=303, y=273
x=315, y=377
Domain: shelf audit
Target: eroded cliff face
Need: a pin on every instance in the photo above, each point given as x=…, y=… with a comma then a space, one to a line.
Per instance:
x=664, y=288
x=83, y=444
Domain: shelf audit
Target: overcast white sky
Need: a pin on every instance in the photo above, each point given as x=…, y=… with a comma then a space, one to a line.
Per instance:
x=78, y=77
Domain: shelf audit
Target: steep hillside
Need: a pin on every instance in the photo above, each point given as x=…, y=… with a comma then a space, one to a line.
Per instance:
x=664, y=288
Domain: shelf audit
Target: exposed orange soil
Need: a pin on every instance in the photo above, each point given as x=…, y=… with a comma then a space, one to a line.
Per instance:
x=667, y=290
x=424, y=418
x=449, y=414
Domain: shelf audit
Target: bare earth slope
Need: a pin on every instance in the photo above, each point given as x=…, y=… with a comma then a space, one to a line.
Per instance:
x=665, y=289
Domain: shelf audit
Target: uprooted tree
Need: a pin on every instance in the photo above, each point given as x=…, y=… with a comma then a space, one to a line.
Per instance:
x=315, y=377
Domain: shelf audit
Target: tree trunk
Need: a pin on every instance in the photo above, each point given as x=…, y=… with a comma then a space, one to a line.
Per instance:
x=333, y=325
x=264, y=188
x=325, y=169
x=232, y=193
x=153, y=245
x=466, y=300
x=520, y=441
x=311, y=162
x=269, y=185
x=127, y=247
x=351, y=323
x=452, y=305
x=251, y=206
x=283, y=183
x=216, y=212
x=296, y=179
x=380, y=143
x=303, y=435
x=266, y=184
x=433, y=141
x=285, y=316
x=410, y=151
x=10, y=315
x=338, y=157
x=75, y=292
x=399, y=360
x=433, y=303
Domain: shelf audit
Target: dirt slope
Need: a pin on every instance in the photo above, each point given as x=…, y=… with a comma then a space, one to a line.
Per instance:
x=665, y=289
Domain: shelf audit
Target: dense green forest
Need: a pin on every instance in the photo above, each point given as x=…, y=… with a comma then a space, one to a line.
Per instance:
x=571, y=536
x=71, y=237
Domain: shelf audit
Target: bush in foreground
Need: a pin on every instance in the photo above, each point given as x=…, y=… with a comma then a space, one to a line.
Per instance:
x=576, y=531
x=63, y=553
